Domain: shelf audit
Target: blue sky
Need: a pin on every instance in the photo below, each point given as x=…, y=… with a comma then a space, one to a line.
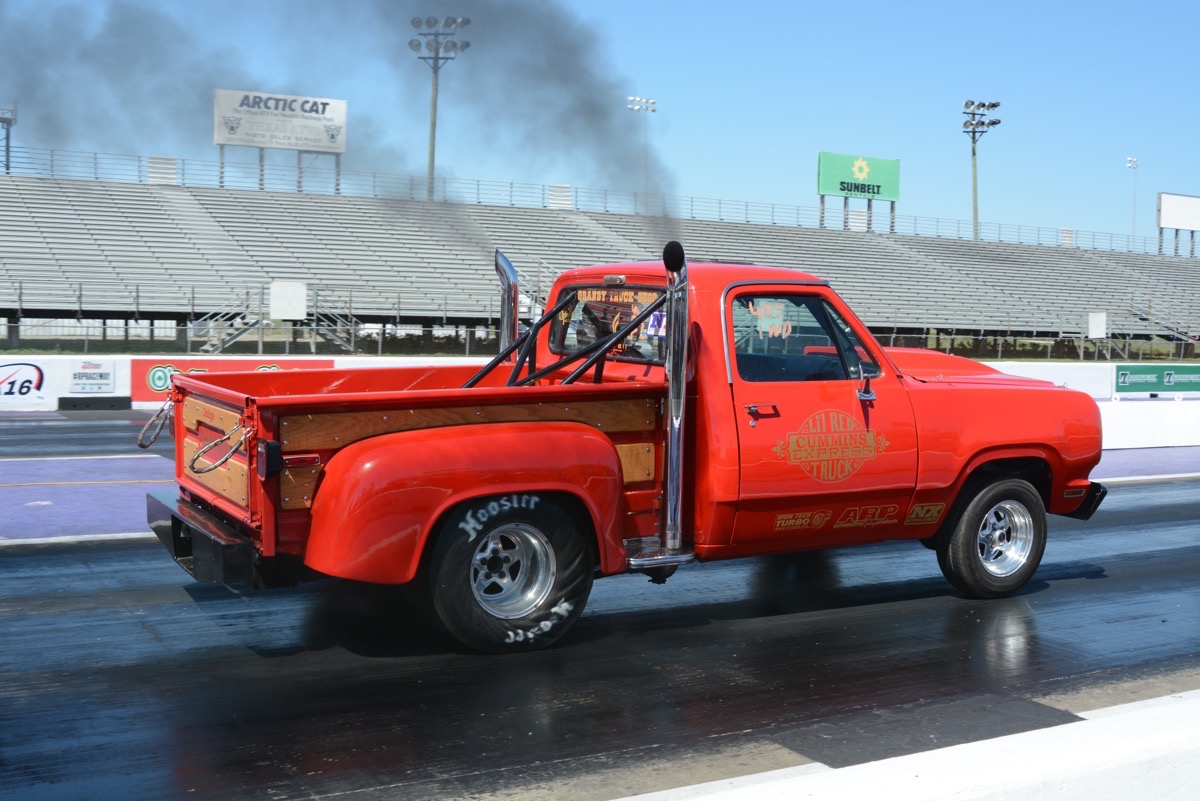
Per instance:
x=747, y=93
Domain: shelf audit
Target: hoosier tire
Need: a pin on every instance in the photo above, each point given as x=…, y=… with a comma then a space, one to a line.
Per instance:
x=997, y=543
x=511, y=572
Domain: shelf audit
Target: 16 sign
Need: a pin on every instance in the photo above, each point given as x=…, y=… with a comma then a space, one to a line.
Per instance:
x=20, y=379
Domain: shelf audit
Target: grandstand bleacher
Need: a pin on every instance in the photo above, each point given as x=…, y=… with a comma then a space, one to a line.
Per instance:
x=96, y=249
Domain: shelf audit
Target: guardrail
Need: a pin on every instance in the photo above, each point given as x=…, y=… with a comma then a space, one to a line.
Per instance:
x=406, y=337
x=132, y=298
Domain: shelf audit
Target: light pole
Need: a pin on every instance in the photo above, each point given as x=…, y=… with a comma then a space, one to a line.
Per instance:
x=647, y=105
x=437, y=40
x=1131, y=162
x=8, y=118
x=975, y=126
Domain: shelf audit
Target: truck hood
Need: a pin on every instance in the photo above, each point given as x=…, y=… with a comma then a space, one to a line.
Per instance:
x=929, y=366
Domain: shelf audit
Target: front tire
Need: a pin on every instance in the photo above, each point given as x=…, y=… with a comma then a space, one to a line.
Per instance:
x=511, y=572
x=997, y=542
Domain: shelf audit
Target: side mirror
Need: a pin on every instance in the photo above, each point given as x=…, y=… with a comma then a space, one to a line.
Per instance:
x=868, y=370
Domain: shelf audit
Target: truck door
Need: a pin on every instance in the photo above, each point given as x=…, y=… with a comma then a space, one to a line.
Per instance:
x=826, y=431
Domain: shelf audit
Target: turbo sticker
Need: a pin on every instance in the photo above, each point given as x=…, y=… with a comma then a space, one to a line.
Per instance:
x=831, y=446
x=797, y=521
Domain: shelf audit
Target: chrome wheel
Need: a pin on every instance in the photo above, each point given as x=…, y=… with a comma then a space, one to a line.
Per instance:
x=512, y=571
x=529, y=570
x=1006, y=538
x=997, y=539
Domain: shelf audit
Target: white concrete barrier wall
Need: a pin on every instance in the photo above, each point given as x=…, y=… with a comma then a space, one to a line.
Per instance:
x=37, y=383
x=1147, y=749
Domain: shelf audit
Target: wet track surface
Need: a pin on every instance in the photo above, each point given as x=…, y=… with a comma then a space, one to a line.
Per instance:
x=119, y=677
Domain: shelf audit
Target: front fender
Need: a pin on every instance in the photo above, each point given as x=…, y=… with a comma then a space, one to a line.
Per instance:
x=380, y=498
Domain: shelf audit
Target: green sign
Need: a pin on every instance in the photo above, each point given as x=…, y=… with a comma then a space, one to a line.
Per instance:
x=1164, y=378
x=858, y=176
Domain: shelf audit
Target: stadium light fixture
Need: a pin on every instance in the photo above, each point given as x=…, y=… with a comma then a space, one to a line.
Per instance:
x=436, y=37
x=975, y=126
x=649, y=106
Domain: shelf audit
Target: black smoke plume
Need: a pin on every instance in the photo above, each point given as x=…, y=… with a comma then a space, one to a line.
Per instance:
x=536, y=87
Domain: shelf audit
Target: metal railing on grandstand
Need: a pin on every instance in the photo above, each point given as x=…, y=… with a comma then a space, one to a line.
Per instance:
x=271, y=337
x=321, y=179
x=274, y=337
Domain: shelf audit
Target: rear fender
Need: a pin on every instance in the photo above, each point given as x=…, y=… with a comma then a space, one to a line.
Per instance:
x=380, y=499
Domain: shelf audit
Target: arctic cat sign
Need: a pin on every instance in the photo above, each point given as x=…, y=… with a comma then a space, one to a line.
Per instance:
x=858, y=176
x=257, y=119
x=1166, y=378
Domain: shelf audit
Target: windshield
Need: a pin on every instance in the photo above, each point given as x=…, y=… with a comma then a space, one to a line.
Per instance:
x=598, y=311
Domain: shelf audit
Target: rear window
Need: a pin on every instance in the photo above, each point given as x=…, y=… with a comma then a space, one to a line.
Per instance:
x=598, y=311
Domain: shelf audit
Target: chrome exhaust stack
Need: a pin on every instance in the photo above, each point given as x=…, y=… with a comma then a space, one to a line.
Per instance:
x=677, y=322
x=642, y=555
x=510, y=300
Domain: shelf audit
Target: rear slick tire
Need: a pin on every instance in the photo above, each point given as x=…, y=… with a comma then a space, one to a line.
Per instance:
x=511, y=572
x=997, y=542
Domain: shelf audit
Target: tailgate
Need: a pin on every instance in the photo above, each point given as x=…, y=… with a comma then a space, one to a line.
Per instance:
x=213, y=453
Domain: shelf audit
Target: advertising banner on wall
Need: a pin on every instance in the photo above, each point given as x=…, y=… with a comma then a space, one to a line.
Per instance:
x=858, y=176
x=22, y=384
x=1160, y=378
x=150, y=379
x=258, y=119
x=40, y=383
x=93, y=377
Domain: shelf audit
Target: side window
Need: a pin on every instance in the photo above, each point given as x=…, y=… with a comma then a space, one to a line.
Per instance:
x=599, y=311
x=786, y=338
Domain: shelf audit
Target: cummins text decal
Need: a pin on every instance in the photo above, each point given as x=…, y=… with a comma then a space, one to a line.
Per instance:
x=830, y=446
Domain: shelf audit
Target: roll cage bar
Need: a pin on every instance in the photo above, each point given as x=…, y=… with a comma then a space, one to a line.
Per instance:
x=593, y=355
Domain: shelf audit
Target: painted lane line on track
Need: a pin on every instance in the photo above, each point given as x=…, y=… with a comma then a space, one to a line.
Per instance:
x=84, y=483
x=81, y=458
x=1148, y=479
x=73, y=539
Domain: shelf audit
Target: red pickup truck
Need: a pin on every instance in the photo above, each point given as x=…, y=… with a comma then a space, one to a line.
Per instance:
x=656, y=414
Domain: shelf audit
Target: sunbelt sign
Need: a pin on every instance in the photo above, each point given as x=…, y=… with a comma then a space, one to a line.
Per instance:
x=858, y=176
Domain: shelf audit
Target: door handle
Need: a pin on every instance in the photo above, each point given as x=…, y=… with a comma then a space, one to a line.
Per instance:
x=757, y=410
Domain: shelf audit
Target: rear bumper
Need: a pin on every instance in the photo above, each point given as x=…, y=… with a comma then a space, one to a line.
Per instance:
x=207, y=548
x=1091, y=502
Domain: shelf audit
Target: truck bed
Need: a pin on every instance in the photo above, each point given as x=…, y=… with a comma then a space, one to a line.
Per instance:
x=283, y=427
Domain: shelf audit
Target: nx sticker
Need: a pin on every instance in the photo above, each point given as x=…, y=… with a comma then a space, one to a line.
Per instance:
x=924, y=513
